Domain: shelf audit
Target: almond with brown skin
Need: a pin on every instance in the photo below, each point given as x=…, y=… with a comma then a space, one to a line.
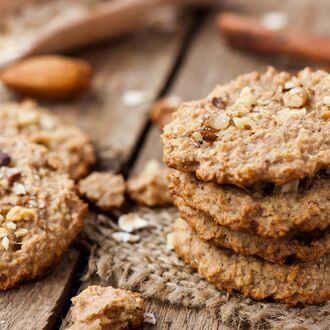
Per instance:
x=48, y=77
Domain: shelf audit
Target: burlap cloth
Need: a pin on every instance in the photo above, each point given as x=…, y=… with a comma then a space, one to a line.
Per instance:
x=151, y=268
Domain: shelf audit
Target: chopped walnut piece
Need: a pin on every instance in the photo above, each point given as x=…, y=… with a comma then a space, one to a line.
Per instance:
x=21, y=232
x=197, y=137
x=19, y=213
x=3, y=232
x=208, y=136
x=218, y=102
x=105, y=189
x=326, y=100
x=216, y=121
x=244, y=123
x=5, y=243
x=325, y=114
x=28, y=117
x=285, y=114
x=100, y=308
x=150, y=187
x=296, y=97
x=162, y=110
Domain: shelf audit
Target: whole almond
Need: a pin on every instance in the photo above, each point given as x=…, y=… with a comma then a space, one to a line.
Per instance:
x=48, y=77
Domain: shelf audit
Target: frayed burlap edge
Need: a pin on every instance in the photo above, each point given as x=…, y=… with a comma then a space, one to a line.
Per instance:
x=152, y=268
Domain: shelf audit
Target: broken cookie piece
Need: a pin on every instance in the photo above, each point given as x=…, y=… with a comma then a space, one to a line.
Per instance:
x=162, y=110
x=150, y=187
x=105, y=189
x=100, y=308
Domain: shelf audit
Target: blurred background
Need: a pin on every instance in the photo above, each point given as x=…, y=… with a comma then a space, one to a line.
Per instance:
x=139, y=51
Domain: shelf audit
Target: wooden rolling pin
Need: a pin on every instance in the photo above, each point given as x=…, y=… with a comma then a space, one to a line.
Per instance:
x=105, y=21
x=247, y=32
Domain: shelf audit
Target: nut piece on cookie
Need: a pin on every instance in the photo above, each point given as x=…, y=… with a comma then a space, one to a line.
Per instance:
x=98, y=308
x=162, y=110
x=150, y=187
x=105, y=189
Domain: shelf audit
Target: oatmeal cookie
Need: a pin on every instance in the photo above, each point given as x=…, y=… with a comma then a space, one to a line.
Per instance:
x=150, y=187
x=308, y=247
x=105, y=189
x=297, y=208
x=305, y=283
x=40, y=212
x=98, y=308
x=41, y=127
x=270, y=127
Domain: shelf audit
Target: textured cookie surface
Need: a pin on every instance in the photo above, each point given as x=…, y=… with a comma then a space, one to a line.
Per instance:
x=101, y=308
x=305, y=247
x=40, y=212
x=38, y=125
x=105, y=189
x=271, y=127
x=303, y=207
x=306, y=283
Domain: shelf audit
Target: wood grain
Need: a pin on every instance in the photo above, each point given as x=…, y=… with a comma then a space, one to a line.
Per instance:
x=37, y=304
x=142, y=62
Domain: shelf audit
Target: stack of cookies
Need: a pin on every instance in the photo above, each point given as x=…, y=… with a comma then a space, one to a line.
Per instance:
x=251, y=182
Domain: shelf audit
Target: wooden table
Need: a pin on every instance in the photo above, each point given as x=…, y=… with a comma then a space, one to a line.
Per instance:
x=188, y=63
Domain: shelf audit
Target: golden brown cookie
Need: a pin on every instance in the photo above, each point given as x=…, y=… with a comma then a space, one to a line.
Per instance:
x=269, y=127
x=40, y=212
x=305, y=283
x=101, y=308
x=69, y=143
x=307, y=247
x=304, y=206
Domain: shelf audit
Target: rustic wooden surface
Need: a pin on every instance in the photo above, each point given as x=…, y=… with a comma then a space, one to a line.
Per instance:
x=38, y=304
x=156, y=64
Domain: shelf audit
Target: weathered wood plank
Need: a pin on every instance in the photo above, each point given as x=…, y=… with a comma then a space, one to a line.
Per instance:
x=210, y=62
x=140, y=62
x=37, y=304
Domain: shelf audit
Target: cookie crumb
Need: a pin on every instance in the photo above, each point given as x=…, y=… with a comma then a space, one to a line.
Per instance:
x=134, y=98
x=150, y=186
x=105, y=189
x=149, y=318
x=131, y=222
x=123, y=237
x=105, y=308
x=163, y=109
